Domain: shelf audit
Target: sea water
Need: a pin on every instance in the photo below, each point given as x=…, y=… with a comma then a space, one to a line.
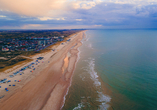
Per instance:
x=117, y=69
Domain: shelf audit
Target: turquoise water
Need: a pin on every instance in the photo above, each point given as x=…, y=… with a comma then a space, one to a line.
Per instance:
x=117, y=70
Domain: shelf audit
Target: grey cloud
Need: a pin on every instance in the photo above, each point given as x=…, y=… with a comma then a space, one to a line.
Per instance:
x=109, y=15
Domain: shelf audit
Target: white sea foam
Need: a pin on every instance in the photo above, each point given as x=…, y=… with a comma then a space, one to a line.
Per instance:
x=104, y=99
x=92, y=72
x=80, y=105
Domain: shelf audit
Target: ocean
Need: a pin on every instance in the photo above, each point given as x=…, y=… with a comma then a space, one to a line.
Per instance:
x=116, y=70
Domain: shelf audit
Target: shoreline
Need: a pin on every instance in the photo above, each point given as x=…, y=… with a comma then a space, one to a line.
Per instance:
x=77, y=59
x=41, y=91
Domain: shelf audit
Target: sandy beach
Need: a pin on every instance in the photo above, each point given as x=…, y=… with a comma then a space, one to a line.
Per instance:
x=44, y=88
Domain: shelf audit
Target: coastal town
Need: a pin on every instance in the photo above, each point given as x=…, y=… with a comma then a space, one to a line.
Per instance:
x=28, y=43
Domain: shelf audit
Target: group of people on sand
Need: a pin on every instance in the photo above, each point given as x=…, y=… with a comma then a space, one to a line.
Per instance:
x=20, y=72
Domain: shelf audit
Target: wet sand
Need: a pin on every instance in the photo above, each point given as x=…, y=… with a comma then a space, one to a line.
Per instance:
x=47, y=90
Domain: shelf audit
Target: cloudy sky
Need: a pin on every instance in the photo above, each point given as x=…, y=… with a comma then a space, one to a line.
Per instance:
x=76, y=14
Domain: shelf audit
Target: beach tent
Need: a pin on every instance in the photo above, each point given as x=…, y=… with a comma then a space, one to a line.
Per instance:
x=15, y=73
x=11, y=76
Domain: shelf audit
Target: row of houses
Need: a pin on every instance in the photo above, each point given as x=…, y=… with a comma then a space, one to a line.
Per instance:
x=28, y=43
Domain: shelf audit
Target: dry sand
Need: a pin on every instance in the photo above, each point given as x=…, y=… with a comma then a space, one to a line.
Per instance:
x=46, y=87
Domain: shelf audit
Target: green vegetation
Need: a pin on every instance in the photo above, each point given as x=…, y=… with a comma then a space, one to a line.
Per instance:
x=4, y=63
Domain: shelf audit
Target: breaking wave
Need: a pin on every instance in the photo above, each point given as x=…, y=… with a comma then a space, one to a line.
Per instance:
x=104, y=99
x=80, y=105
